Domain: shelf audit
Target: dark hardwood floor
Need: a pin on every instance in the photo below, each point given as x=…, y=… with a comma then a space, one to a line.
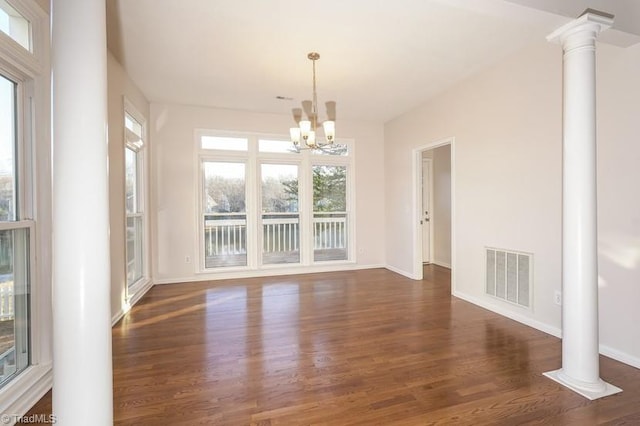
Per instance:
x=345, y=348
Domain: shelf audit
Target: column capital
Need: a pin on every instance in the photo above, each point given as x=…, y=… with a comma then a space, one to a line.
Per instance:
x=586, y=27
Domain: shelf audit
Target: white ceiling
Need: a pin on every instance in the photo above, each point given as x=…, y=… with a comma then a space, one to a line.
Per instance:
x=379, y=58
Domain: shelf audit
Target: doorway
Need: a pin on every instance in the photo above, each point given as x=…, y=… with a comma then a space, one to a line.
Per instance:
x=434, y=206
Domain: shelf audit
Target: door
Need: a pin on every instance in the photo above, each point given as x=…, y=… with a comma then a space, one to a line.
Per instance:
x=425, y=220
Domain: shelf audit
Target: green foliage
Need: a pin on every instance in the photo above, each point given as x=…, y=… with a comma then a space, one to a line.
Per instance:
x=227, y=195
x=329, y=188
x=290, y=188
x=7, y=196
x=278, y=195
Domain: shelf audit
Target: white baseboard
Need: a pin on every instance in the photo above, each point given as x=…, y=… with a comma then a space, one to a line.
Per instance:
x=607, y=351
x=266, y=273
x=443, y=264
x=620, y=356
x=505, y=312
x=401, y=272
x=117, y=317
x=141, y=291
x=24, y=391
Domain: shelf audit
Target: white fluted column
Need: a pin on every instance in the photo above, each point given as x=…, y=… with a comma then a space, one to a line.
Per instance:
x=82, y=372
x=580, y=342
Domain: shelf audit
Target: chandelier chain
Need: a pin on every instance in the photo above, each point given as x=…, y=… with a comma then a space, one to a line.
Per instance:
x=314, y=104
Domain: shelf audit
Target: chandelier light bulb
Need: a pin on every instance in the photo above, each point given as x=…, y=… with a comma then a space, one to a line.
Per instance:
x=305, y=126
x=311, y=139
x=295, y=135
x=329, y=127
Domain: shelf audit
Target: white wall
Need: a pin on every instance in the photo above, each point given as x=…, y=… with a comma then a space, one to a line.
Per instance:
x=507, y=124
x=618, y=200
x=174, y=191
x=442, y=205
x=119, y=86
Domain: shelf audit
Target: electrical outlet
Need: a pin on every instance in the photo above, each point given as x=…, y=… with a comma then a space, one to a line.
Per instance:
x=187, y=259
x=557, y=297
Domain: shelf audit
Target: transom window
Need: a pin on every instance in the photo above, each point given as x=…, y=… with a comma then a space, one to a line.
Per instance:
x=16, y=26
x=263, y=204
x=275, y=146
x=226, y=143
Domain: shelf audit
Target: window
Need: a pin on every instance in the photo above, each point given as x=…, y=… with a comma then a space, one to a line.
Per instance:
x=134, y=197
x=224, y=143
x=25, y=274
x=278, y=146
x=263, y=204
x=225, y=216
x=8, y=196
x=16, y=26
x=280, y=215
x=330, y=213
x=14, y=241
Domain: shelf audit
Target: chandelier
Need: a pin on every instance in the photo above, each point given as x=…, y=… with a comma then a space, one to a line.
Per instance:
x=305, y=136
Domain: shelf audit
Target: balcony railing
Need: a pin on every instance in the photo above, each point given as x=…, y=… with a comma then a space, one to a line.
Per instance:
x=226, y=239
x=7, y=338
x=281, y=238
x=7, y=363
x=280, y=234
x=330, y=234
x=6, y=300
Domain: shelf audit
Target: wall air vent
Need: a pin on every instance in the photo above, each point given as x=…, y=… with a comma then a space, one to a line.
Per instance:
x=509, y=276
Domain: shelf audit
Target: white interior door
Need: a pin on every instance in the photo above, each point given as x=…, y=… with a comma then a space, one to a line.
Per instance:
x=425, y=220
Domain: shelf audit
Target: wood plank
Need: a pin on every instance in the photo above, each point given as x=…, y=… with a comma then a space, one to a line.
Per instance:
x=341, y=348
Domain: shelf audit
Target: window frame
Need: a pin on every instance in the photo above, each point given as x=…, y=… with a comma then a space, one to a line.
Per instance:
x=254, y=159
x=29, y=61
x=348, y=202
x=202, y=213
x=133, y=290
x=29, y=227
x=29, y=46
x=24, y=194
x=30, y=69
x=302, y=214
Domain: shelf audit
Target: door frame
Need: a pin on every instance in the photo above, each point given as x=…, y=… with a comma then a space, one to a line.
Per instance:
x=417, y=206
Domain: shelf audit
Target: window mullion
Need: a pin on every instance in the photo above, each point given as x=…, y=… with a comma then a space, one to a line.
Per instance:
x=25, y=153
x=140, y=181
x=252, y=213
x=306, y=210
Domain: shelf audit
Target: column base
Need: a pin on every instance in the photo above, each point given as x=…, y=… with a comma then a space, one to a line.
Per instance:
x=588, y=390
